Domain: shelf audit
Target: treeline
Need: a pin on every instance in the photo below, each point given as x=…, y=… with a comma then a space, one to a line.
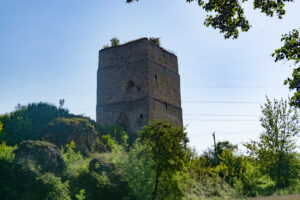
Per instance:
x=48, y=153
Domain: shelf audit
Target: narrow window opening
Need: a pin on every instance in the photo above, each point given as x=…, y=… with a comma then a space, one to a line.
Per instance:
x=130, y=85
x=155, y=77
x=141, y=116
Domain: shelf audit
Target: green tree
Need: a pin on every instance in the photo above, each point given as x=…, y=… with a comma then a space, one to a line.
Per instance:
x=116, y=133
x=168, y=147
x=290, y=51
x=29, y=122
x=213, y=155
x=6, y=152
x=156, y=40
x=1, y=128
x=228, y=15
x=114, y=42
x=239, y=171
x=137, y=168
x=275, y=149
x=81, y=195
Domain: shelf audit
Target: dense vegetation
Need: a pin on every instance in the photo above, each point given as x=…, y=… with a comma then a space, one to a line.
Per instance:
x=47, y=153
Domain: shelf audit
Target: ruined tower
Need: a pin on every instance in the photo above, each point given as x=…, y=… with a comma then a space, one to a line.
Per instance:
x=137, y=82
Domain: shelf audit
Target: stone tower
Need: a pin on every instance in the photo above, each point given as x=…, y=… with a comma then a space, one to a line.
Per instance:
x=137, y=82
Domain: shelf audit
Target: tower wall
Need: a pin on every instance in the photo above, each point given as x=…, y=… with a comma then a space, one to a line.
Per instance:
x=137, y=82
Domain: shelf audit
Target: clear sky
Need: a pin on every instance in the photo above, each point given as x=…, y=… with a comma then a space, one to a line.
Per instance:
x=49, y=51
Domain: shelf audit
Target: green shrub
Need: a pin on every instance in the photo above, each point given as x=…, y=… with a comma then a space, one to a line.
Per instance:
x=109, y=143
x=76, y=164
x=155, y=40
x=6, y=152
x=114, y=42
x=51, y=188
x=69, y=153
x=116, y=133
x=136, y=168
x=81, y=195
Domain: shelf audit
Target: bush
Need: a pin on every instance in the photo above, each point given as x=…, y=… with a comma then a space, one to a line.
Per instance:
x=155, y=40
x=75, y=163
x=114, y=42
x=108, y=142
x=81, y=195
x=51, y=188
x=136, y=168
x=6, y=152
x=116, y=133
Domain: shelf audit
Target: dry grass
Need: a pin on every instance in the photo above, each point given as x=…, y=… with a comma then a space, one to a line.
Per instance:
x=282, y=197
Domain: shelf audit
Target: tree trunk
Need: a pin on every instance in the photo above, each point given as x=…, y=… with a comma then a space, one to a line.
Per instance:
x=156, y=183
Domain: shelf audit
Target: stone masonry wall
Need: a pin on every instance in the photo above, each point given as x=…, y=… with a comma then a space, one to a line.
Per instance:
x=137, y=82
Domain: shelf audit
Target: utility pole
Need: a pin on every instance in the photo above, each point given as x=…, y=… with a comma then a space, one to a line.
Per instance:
x=215, y=145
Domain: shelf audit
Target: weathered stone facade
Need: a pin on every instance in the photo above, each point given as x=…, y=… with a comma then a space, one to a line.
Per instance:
x=137, y=82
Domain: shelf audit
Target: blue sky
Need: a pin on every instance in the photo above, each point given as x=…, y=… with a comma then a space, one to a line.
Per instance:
x=49, y=51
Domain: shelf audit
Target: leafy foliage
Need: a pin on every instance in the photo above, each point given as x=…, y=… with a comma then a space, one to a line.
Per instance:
x=155, y=40
x=114, y=42
x=290, y=51
x=69, y=153
x=271, y=7
x=6, y=152
x=239, y=171
x=229, y=15
x=167, y=147
x=75, y=163
x=81, y=195
x=275, y=150
x=213, y=155
x=29, y=122
x=1, y=127
x=108, y=142
x=159, y=165
x=137, y=169
x=116, y=133
x=52, y=188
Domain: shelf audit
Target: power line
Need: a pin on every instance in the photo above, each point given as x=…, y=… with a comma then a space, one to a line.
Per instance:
x=225, y=102
x=191, y=114
x=220, y=115
x=222, y=133
x=47, y=94
x=223, y=120
x=232, y=87
x=194, y=114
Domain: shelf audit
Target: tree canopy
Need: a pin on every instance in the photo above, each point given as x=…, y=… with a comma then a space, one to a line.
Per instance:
x=275, y=150
x=167, y=145
x=228, y=15
x=290, y=51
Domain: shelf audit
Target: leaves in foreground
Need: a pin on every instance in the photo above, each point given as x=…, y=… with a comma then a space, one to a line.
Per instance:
x=228, y=15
